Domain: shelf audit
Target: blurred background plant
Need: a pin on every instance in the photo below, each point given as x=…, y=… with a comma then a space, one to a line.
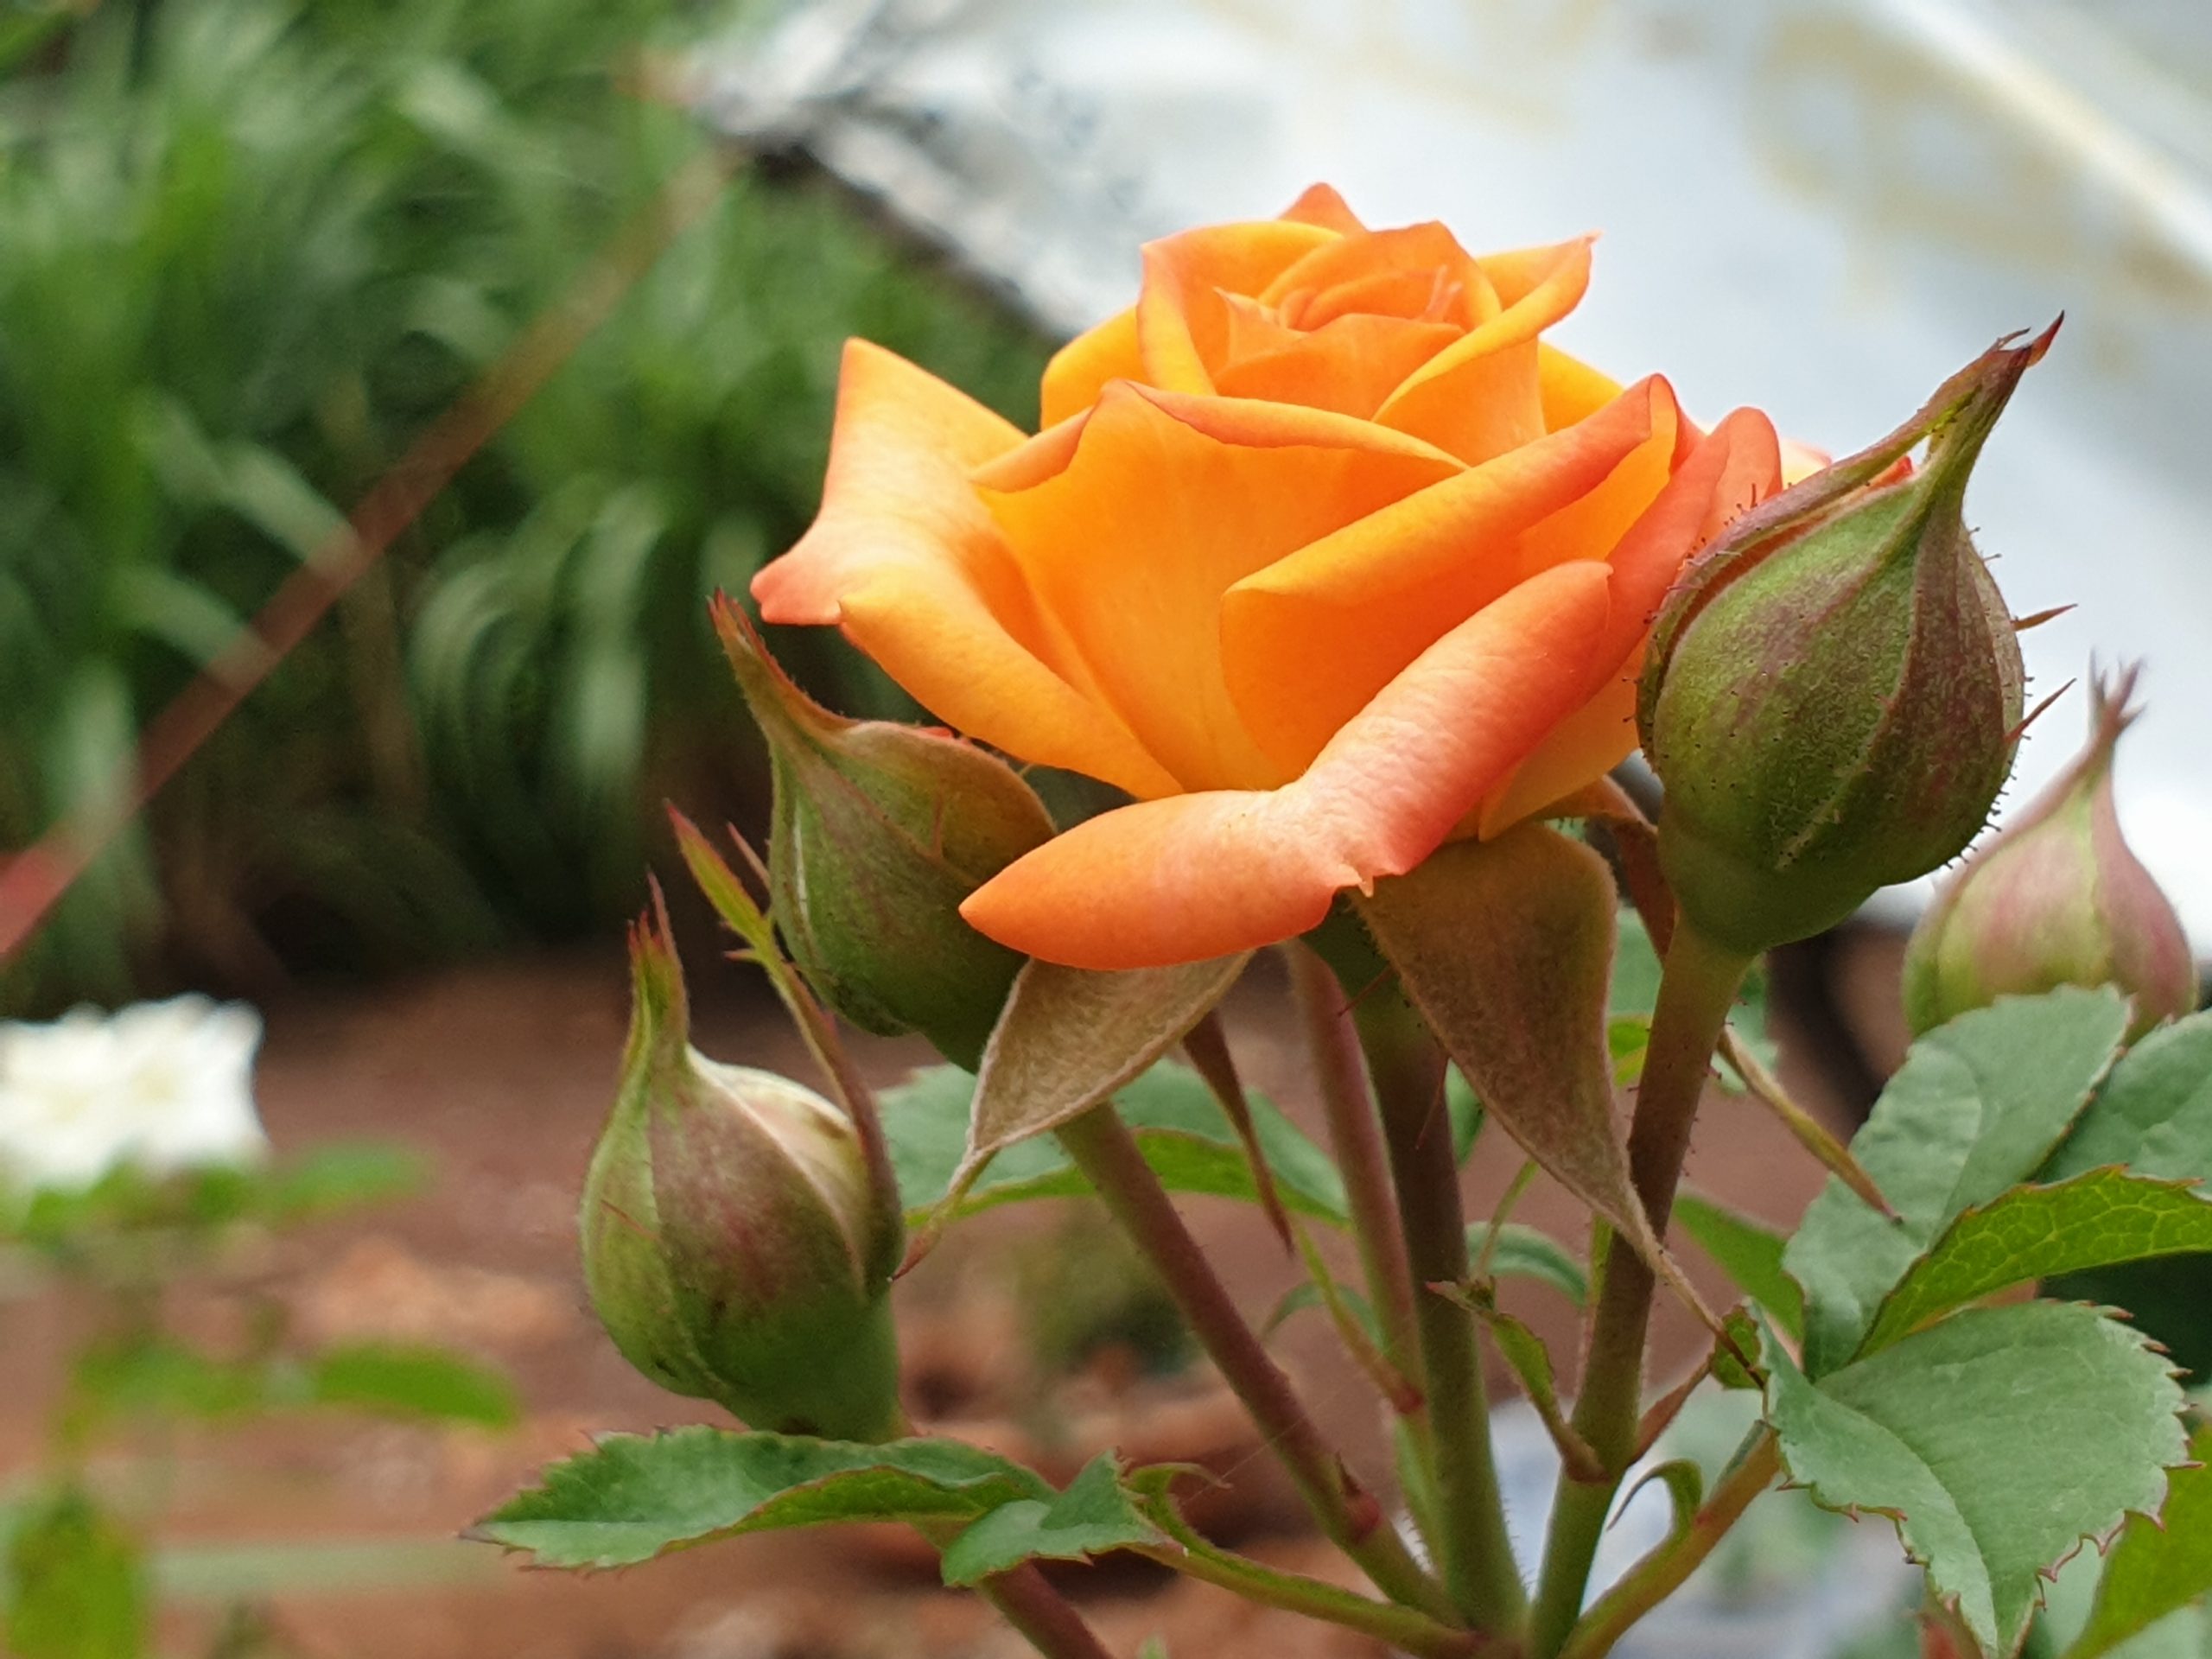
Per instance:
x=134, y=1172
x=248, y=250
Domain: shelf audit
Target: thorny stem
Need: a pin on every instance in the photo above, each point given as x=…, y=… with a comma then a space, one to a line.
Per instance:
x=1407, y=1069
x=1109, y=1157
x=1696, y=992
x=1660, y=1573
x=1356, y=1137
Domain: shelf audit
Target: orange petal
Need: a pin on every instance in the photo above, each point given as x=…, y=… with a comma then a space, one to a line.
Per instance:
x=1080, y=369
x=1571, y=390
x=1309, y=640
x=1164, y=503
x=1204, y=875
x=1180, y=318
x=1320, y=203
x=1485, y=395
x=905, y=556
x=1349, y=364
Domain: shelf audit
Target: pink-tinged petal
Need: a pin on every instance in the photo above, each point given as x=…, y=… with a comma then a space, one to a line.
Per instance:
x=907, y=558
x=1164, y=503
x=1181, y=318
x=1204, y=875
x=1485, y=395
x=1308, y=641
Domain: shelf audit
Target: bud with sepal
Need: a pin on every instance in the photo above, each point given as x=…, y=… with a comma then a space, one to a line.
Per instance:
x=1833, y=693
x=880, y=830
x=735, y=1247
x=2056, y=898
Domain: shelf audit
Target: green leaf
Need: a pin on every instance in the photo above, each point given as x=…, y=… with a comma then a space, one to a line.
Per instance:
x=1095, y=1515
x=406, y=1381
x=160, y=1378
x=77, y=1585
x=1997, y=1440
x=1750, y=1253
x=2096, y=1220
x=1522, y=1252
x=1306, y=1294
x=345, y=1175
x=1524, y=1350
x=1976, y=1109
x=1069, y=1037
x=2158, y=1566
x=634, y=1497
x=2154, y=1113
x=1185, y=1134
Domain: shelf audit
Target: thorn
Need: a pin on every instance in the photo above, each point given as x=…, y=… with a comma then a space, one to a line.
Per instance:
x=2022, y=623
x=2037, y=713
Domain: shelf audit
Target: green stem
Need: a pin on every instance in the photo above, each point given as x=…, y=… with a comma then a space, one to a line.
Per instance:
x=1405, y=1629
x=1109, y=1157
x=1024, y=1596
x=1695, y=993
x=1659, y=1574
x=1407, y=1069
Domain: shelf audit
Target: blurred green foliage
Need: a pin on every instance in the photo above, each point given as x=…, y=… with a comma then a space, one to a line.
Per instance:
x=248, y=250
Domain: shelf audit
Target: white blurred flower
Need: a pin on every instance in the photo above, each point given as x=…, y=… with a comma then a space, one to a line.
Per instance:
x=160, y=1085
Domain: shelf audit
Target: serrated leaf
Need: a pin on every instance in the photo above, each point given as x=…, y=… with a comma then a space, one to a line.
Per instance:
x=1069, y=1037
x=77, y=1584
x=1185, y=1135
x=1506, y=948
x=1522, y=1252
x=406, y=1380
x=2156, y=1567
x=1094, y=1515
x=634, y=1497
x=2096, y=1220
x=2154, y=1113
x=1750, y=1253
x=1976, y=1109
x=1998, y=1441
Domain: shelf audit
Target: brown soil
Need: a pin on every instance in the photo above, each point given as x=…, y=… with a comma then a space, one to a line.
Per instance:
x=502, y=1074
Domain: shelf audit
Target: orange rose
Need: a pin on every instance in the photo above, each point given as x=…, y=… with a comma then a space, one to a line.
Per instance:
x=1322, y=555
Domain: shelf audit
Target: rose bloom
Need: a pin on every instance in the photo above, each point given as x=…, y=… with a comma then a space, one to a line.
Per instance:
x=1323, y=555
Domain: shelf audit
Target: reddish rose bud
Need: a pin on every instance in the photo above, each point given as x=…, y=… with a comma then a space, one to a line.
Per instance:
x=1832, y=693
x=734, y=1246
x=882, y=829
x=2056, y=898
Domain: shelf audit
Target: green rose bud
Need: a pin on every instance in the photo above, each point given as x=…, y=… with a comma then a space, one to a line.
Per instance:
x=734, y=1246
x=1832, y=693
x=2056, y=899
x=880, y=830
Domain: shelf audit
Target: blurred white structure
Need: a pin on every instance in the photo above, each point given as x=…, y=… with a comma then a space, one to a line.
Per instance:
x=159, y=1086
x=1821, y=206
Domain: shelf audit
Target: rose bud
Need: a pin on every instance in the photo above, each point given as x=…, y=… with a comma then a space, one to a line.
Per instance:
x=1833, y=693
x=2055, y=898
x=733, y=1245
x=880, y=831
